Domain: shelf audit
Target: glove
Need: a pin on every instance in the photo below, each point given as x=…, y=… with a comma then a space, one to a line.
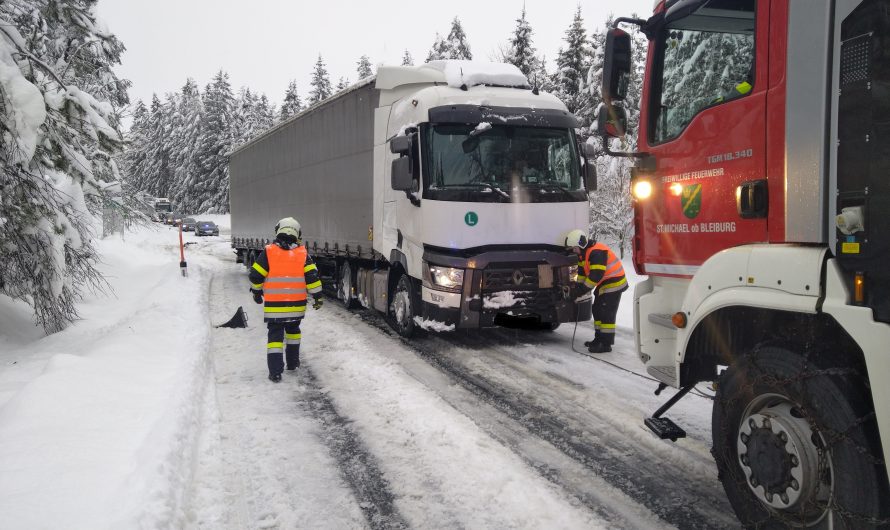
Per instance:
x=316, y=302
x=258, y=298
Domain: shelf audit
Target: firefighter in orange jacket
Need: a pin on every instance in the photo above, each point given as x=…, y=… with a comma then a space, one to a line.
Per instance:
x=285, y=275
x=601, y=270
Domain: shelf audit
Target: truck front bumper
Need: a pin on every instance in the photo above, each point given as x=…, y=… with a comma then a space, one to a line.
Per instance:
x=498, y=285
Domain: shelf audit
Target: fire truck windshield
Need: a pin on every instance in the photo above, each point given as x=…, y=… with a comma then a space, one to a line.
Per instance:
x=704, y=59
x=500, y=163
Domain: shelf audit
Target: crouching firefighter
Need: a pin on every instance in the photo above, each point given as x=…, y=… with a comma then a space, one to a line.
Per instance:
x=601, y=270
x=284, y=274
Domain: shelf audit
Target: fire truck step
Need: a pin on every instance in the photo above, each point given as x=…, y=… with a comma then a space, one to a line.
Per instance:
x=665, y=429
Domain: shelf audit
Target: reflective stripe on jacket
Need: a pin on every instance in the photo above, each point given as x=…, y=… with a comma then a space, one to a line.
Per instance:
x=601, y=269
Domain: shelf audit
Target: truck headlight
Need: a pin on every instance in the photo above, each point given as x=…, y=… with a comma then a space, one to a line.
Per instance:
x=446, y=277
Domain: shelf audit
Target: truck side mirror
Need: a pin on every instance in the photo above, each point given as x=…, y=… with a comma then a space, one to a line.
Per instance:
x=400, y=145
x=589, y=173
x=402, y=175
x=611, y=121
x=616, y=65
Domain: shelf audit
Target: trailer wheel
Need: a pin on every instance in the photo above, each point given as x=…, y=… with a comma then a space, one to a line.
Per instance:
x=796, y=446
x=345, y=286
x=403, y=307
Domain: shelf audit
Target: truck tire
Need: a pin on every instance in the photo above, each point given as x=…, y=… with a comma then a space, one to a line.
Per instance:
x=345, y=284
x=797, y=446
x=403, y=307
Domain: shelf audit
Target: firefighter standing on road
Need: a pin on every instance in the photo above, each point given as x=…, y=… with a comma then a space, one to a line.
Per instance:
x=601, y=270
x=285, y=273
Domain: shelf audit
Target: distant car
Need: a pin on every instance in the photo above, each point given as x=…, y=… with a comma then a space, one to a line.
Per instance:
x=173, y=219
x=188, y=224
x=206, y=228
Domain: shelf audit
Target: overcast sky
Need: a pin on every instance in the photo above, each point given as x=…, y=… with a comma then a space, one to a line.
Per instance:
x=263, y=44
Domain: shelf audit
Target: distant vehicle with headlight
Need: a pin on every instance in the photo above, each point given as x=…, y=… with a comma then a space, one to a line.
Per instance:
x=421, y=202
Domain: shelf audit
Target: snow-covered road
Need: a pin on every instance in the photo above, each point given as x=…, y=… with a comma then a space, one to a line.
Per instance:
x=501, y=428
x=493, y=429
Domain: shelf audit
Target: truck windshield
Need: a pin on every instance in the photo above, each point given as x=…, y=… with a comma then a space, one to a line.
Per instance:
x=500, y=163
x=704, y=59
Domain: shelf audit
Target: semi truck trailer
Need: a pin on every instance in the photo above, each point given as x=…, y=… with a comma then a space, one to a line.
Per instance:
x=761, y=192
x=439, y=195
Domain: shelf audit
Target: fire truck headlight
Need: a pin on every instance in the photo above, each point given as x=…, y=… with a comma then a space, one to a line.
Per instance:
x=642, y=190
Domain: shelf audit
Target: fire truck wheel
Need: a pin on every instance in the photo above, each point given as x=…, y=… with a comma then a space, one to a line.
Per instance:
x=797, y=446
x=403, y=307
x=344, y=289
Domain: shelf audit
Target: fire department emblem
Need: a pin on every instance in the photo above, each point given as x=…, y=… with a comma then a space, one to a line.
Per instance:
x=690, y=200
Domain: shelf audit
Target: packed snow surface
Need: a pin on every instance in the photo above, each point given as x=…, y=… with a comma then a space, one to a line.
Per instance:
x=144, y=415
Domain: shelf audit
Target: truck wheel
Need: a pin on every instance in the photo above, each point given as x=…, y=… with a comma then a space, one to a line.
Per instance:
x=796, y=446
x=403, y=307
x=344, y=289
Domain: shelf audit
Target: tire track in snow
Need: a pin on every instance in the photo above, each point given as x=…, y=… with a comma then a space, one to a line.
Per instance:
x=306, y=399
x=641, y=476
x=357, y=466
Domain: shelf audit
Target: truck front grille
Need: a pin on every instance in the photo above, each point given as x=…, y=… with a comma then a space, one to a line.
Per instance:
x=519, y=278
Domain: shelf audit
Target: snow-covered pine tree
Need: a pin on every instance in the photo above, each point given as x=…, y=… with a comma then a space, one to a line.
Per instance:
x=265, y=113
x=321, y=83
x=246, y=120
x=59, y=120
x=212, y=186
x=291, y=105
x=186, y=135
x=342, y=84
x=521, y=52
x=439, y=51
x=572, y=64
x=407, y=59
x=134, y=156
x=457, y=45
x=364, y=67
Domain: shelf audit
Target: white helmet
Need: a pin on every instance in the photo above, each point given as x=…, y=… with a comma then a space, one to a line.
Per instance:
x=576, y=238
x=289, y=226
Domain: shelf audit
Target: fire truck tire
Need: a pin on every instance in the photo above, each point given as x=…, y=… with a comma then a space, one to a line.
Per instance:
x=404, y=307
x=797, y=446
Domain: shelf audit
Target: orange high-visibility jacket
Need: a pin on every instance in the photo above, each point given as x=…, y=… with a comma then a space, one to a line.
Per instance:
x=601, y=269
x=285, y=277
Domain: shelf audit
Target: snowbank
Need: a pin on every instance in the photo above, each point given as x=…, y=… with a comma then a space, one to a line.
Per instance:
x=98, y=422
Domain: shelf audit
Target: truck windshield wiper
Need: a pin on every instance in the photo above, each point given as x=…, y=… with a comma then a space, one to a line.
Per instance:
x=486, y=185
x=552, y=186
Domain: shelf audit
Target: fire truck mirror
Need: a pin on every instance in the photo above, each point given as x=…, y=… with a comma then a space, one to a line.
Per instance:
x=612, y=121
x=616, y=65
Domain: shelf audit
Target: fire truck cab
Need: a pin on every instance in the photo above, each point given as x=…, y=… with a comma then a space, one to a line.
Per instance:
x=762, y=185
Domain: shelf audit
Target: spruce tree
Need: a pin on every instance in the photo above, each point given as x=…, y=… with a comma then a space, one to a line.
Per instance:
x=407, y=60
x=521, y=53
x=321, y=83
x=573, y=63
x=439, y=51
x=457, y=45
x=342, y=84
x=364, y=67
x=212, y=186
x=185, y=134
x=292, y=104
x=59, y=113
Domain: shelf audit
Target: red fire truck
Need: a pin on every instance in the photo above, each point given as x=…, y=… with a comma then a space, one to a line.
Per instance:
x=761, y=185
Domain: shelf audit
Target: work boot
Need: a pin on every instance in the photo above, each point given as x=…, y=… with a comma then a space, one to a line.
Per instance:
x=293, y=362
x=588, y=343
x=599, y=347
x=275, y=378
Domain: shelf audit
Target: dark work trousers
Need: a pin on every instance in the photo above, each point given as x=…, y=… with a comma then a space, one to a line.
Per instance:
x=284, y=337
x=605, y=308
